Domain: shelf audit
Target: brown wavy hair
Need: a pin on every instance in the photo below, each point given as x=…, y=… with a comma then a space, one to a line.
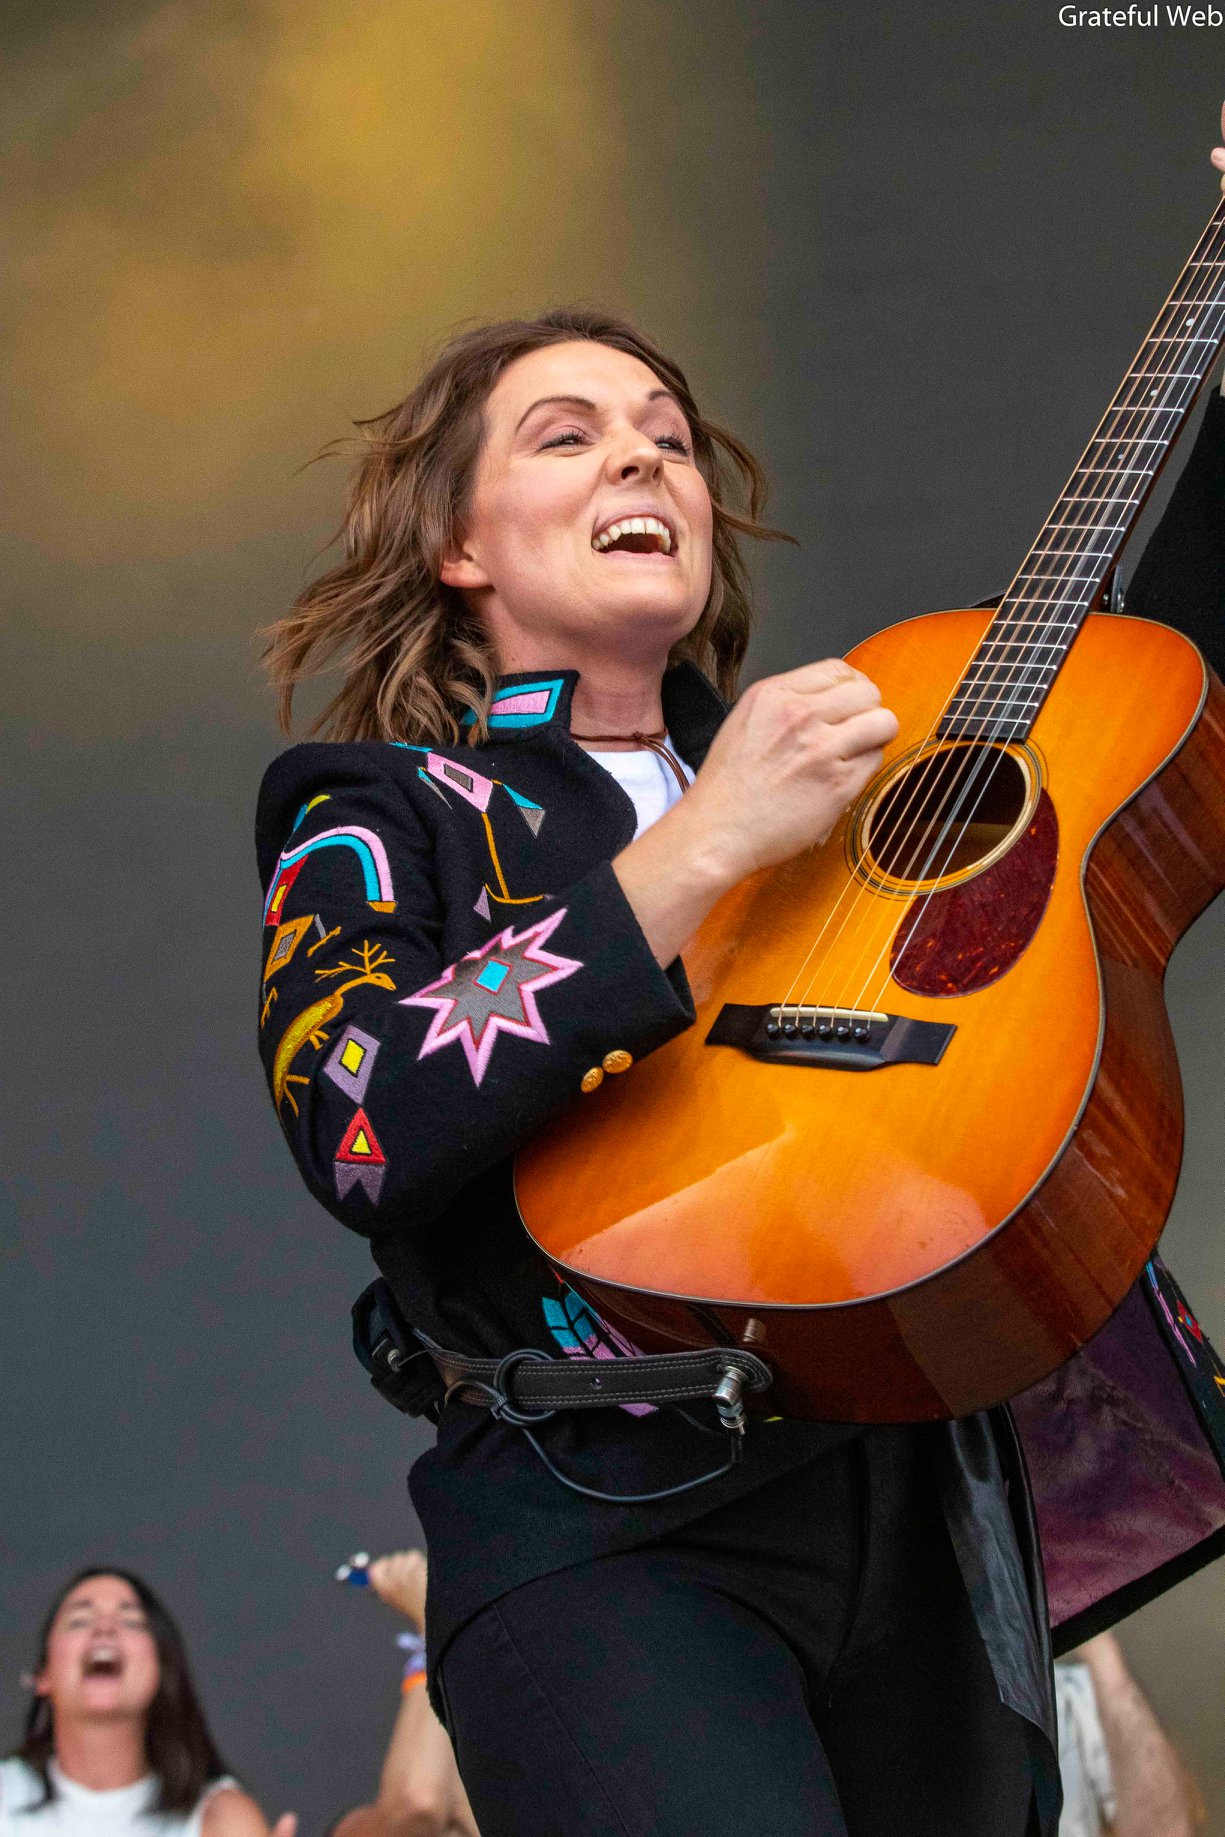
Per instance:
x=180, y=1749
x=412, y=655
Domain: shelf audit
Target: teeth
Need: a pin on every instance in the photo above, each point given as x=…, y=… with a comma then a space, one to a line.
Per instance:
x=635, y=526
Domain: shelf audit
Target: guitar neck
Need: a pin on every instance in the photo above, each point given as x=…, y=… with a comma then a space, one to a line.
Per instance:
x=1011, y=673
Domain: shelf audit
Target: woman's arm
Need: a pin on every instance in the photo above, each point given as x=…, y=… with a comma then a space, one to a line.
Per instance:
x=420, y=1792
x=1154, y=1796
x=399, y=1075
x=230, y=1812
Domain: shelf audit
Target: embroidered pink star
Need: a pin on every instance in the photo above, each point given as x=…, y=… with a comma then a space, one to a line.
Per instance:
x=493, y=990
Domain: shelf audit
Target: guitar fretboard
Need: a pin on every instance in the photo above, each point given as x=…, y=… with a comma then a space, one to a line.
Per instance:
x=1008, y=678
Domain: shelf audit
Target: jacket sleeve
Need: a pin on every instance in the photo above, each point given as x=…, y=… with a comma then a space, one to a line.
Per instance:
x=398, y=1076
x=1180, y=577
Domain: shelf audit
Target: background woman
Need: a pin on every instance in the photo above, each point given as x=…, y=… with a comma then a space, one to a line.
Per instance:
x=115, y=1739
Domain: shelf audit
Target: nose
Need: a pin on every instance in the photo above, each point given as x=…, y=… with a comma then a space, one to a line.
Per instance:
x=632, y=455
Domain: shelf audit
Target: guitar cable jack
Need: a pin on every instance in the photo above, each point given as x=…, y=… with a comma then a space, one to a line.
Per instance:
x=728, y=1402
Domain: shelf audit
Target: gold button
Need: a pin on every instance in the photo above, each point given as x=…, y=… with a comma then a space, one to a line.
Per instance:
x=593, y=1079
x=619, y=1061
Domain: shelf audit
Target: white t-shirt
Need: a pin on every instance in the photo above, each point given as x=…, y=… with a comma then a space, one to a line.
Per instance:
x=647, y=779
x=78, y=1811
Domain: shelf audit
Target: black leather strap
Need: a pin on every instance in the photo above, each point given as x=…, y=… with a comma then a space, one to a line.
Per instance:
x=417, y=1375
x=531, y=1381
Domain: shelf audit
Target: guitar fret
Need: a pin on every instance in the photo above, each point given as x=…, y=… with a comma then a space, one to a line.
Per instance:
x=1147, y=408
x=1023, y=644
x=1050, y=599
x=1096, y=529
x=1137, y=408
x=1044, y=624
x=1007, y=715
x=1070, y=497
x=997, y=675
x=996, y=713
x=1077, y=554
x=1008, y=664
x=1117, y=471
x=981, y=662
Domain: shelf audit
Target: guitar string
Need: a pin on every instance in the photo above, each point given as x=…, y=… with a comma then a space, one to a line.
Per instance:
x=1066, y=574
x=1136, y=411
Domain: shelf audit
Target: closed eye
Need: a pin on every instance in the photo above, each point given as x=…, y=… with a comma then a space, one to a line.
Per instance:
x=572, y=437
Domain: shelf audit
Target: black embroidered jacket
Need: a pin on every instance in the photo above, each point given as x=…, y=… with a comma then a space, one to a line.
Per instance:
x=447, y=955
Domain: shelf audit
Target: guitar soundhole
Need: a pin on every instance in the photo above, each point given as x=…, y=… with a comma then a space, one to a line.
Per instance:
x=947, y=814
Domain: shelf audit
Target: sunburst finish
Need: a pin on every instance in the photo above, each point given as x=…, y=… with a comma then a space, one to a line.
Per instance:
x=921, y=1240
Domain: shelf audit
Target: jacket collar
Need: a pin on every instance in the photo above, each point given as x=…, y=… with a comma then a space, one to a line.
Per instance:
x=532, y=704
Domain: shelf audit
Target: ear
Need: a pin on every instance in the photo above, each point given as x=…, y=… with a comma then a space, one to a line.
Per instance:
x=461, y=569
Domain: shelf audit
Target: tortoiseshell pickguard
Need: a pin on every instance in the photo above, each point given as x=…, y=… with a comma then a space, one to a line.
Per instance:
x=968, y=936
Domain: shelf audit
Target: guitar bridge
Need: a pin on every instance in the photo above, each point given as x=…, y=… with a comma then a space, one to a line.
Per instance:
x=842, y=1039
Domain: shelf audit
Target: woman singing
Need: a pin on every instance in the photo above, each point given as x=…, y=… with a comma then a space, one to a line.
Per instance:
x=116, y=1740
x=541, y=541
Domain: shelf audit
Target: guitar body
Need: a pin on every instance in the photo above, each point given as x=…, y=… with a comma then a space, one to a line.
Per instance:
x=924, y=1236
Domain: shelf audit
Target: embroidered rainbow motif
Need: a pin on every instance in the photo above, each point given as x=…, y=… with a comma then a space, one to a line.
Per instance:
x=372, y=856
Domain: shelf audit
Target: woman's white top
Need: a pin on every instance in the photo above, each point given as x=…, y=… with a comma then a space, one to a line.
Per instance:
x=647, y=780
x=78, y=1811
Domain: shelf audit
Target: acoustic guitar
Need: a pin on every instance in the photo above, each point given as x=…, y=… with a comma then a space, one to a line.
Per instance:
x=927, y=1128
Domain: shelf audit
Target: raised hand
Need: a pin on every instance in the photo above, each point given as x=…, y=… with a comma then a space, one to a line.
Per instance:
x=794, y=752
x=1217, y=155
x=399, y=1579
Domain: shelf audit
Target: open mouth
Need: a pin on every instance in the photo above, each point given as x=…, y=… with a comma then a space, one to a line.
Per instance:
x=103, y=1662
x=645, y=535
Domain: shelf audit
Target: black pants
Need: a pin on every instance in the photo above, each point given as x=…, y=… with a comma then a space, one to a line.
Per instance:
x=800, y=1663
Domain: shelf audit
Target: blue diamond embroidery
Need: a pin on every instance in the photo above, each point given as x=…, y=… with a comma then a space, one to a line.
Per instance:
x=493, y=975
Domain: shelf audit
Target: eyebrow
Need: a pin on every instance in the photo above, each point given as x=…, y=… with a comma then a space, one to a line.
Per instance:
x=581, y=401
x=124, y=1607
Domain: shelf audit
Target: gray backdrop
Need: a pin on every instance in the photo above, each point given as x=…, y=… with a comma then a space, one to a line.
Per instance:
x=906, y=250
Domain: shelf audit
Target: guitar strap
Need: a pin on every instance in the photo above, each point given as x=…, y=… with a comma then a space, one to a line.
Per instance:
x=528, y=1387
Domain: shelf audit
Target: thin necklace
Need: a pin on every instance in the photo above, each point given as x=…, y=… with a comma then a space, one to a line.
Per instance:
x=655, y=743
